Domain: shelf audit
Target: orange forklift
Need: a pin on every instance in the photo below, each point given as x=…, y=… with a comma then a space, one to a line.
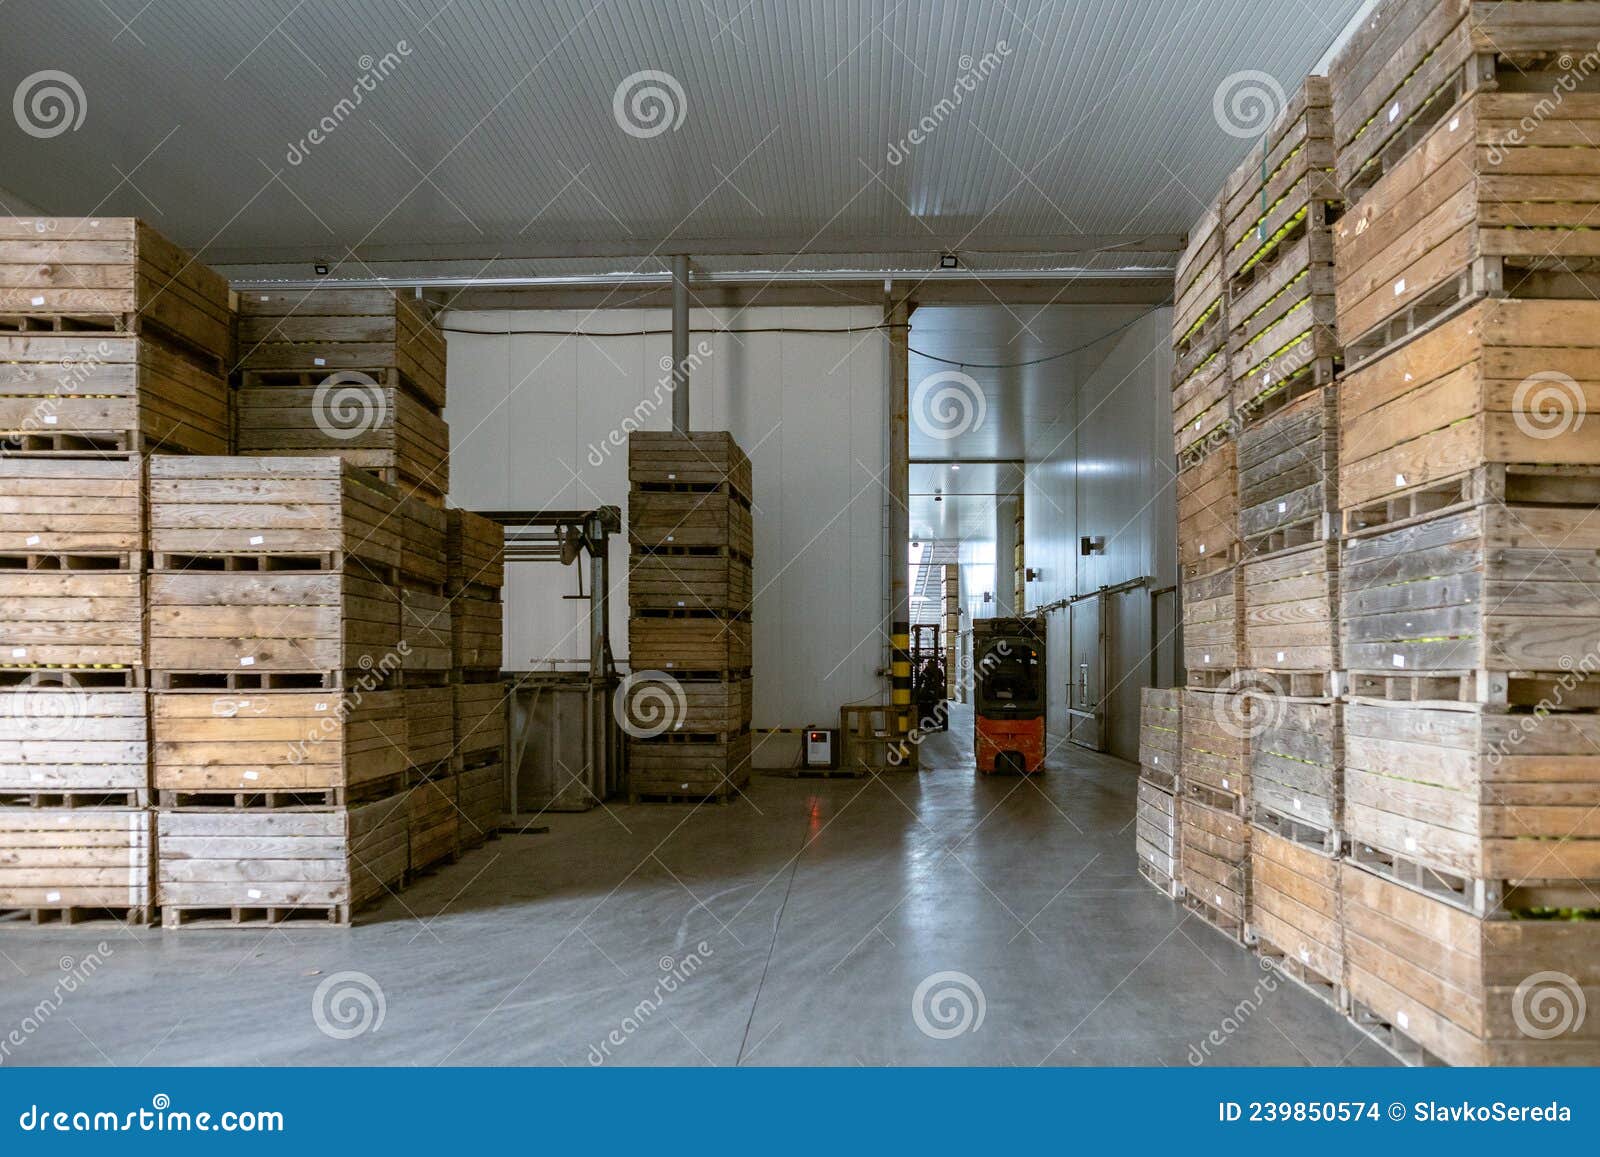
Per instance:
x=1008, y=662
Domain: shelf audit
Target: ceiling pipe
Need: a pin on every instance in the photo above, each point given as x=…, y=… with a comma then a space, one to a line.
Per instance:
x=680, y=343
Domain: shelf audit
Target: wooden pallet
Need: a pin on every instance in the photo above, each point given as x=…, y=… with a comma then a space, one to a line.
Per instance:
x=1167, y=885
x=1327, y=988
x=1402, y=72
x=344, y=329
x=59, y=741
x=707, y=578
x=1294, y=911
x=1213, y=623
x=72, y=861
x=110, y=275
x=226, y=867
x=1216, y=746
x=1577, y=486
x=113, y=392
x=1288, y=476
x=869, y=740
x=1208, y=511
x=1214, y=865
x=1161, y=732
x=1495, y=588
x=1290, y=611
x=697, y=458
x=1484, y=196
x=1296, y=757
x=474, y=555
x=276, y=748
x=1447, y=983
x=1157, y=831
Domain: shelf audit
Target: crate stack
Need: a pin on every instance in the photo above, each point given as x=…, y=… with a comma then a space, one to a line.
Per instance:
x=113, y=344
x=1468, y=478
x=279, y=737
x=1157, y=824
x=690, y=588
x=355, y=372
x=475, y=575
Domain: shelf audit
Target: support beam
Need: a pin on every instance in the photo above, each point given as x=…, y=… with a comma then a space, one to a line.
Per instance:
x=898, y=318
x=680, y=343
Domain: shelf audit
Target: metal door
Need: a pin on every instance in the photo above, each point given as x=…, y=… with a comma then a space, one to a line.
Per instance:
x=1086, y=669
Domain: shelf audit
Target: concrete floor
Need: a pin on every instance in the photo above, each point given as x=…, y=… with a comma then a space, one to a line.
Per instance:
x=807, y=916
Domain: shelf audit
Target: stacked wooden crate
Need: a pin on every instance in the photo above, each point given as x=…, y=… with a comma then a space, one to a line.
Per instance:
x=1214, y=857
x=1468, y=476
x=113, y=344
x=358, y=373
x=690, y=587
x=280, y=740
x=1208, y=556
x=1160, y=787
x=1201, y=378
x=475, y=575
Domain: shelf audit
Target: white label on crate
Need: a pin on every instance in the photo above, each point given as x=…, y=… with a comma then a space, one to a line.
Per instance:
x=1224, y=784
x=51, y=419
x=322, y=706
x=1197, y=423
x=1283, y=508
x=1402, y=1020
x=1280, y=656
x=681, y=602
x=1296, y=805
x=19, y=652
x=1394, y=111
x=1266, y=378
x=1455, y=123
x=669, y=538
x=1155, y=759
x=254, y=894
x=1400, y=287
x=1305, y=955
x=1398, y=660
x=1399, y=479
x=672, y=477
x=319, y=361
x=247, y=660
x=672, y=664
x=1207, y=659
x=257, y=539
x=265, y=297
x=1219, y=899
x=1202, y=548
x=1408, y=377
x=52, y=897
x=252, y=775
x=1411, y=843
x=33, y=540
x=63, y=819
x=37, y=300
x=36, y=777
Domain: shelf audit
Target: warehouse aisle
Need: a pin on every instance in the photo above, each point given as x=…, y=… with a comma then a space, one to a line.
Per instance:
x=793, y=927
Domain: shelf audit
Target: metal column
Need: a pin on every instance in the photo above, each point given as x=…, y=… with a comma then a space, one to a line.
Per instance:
x=898, y=317
x=680, y=344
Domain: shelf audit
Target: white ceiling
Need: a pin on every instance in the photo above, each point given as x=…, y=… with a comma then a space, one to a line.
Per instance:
x=494, y=132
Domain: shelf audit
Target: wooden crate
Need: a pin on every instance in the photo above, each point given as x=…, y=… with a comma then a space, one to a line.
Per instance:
x=715, y=706
x=1500, y=382
x=683, y=643
x=271, y=748
x=707, y=578
x=430, y=726
x=111, y=275
x=72, y=618
x=1486, y=204
x=1296, y=770
x=699, y=458
x=1213, y=626
x=1409, y=62
x=1291, y=611
x=1294, y=912
x=266, y=866
x=475, y=554
x=1208, y=512
x=1466, y=990
x=1289, y=475
x=73, y=514
x=111, y=392
x=433, y=823
x=1279, y=205
x=382, y=429
x=66, y=864
x=424, y=535
x=1161, y=735
x=1216, y=747
x=246, y=625
x=1202, y=407
x=1156, y=832
x=327, y=330
x=480, y=722
x=687, y=772
x=692, y=518
x=481, y=792
x=257, y=507
x=1198, y=325
x=1505, y=590
x=1214, y=865
x=60, y=742
x=477, y=628
x=1474, y=796
x=427, y=629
